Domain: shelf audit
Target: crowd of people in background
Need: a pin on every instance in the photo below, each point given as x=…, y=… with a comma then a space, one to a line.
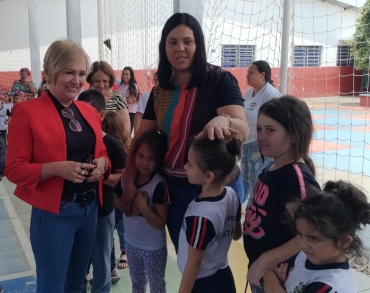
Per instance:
x=111, y=157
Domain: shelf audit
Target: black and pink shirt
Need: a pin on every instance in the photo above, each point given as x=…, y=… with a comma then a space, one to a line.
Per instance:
x=263, y=228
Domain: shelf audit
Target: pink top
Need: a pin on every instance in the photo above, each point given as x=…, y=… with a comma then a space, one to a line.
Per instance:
x=123, y=89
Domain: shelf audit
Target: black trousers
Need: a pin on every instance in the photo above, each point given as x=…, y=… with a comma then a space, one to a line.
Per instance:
x=220, y=282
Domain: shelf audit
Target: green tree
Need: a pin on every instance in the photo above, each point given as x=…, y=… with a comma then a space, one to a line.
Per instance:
x=360, y=45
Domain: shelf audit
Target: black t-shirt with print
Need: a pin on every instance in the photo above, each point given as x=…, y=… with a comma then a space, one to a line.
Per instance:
x=117, y=156
x=263, y=228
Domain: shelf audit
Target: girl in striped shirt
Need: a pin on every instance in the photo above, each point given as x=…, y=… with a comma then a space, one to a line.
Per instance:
x=212, y=219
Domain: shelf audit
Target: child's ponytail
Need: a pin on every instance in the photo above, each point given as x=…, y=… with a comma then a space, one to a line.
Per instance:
x=218, y=156
x=352, y=197
x=234, y=147
x=339, y=210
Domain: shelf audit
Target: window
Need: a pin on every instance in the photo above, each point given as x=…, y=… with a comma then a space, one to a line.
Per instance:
x=307, y=56
x=234, y=56
x=344, y=57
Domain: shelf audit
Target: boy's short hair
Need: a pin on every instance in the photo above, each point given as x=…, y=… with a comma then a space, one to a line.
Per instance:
x=94, y=98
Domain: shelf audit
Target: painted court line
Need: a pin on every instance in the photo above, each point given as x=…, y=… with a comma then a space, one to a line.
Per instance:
x=18, y=228
x=171, y=251
x=17, y=276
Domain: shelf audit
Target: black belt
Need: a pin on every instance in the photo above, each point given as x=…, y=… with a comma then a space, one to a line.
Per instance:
x=84, y=198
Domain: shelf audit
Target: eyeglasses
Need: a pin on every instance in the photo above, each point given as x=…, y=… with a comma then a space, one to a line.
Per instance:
x=73, y=124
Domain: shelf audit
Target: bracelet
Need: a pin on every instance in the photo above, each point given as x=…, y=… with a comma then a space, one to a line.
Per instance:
x=228, y=117
x=106, y=164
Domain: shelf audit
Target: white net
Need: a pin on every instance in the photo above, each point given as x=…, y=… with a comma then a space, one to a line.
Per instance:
x=320, y=70
x=133, y=29
x=14, y=44
x=239, y=32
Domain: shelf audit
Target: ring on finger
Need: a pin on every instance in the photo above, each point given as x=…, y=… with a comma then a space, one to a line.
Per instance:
x=98, y=173
x=83, y=166
x=82, y=172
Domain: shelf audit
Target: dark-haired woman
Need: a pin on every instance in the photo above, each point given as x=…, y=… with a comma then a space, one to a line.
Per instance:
x=261, y=91
x=193, y=98
x=129, y=89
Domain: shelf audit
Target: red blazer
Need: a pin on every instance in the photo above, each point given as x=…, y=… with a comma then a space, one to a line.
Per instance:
x=37, y=136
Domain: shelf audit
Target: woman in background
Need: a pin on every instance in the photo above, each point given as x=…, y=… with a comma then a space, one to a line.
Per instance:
x=130, y=90
x=27, y=87
x=102, y=78
x=261, y=91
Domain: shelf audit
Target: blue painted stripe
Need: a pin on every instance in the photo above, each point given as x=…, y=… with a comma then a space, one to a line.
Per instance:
x=24, y=285
x=11, y=252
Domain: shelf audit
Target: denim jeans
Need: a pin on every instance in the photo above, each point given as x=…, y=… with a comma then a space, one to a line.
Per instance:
x=121, y=235
x=251, y=166
x=181, y=197
x=62, y=246
x=101, y=254
x=239, y=188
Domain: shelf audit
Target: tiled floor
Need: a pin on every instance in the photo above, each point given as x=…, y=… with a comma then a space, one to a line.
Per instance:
x=341, y=143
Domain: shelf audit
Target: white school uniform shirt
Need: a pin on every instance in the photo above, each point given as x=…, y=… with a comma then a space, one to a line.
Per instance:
x=253, y=104
x=223, y=216
x=333, y=279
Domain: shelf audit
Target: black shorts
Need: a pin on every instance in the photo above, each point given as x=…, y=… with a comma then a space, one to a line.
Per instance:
x=220, y=282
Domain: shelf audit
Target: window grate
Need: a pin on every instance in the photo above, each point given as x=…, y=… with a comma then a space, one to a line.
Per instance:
x=307, y=56
x=344, y=56
x=237, y=56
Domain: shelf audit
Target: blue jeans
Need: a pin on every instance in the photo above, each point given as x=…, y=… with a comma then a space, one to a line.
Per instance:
x=101, y=253
x=239, y=188
x=181, y=197
x=251, y=167
x=62, y=246
x=121, y=235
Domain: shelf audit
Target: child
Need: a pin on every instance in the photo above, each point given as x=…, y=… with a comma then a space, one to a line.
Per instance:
x=113, y=124
x=284, y=132
x=145, y=235
x=211, y=220
x=8, y=100
x=327, y=224
x=5, y=117
x=17, y=97
x=103, y=243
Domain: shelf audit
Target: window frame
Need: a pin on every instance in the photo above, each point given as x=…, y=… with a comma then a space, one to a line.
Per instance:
x=348, y=61
x=237, y=56
x=308, y=56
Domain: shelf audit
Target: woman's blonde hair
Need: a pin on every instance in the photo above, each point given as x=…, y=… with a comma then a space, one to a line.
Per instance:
x=61, y=53
x=114, y=126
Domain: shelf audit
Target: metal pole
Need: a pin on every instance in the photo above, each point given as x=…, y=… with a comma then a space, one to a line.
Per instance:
x=176, y=6
x=33, y=19
x=287, y=13
x=74, y=21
